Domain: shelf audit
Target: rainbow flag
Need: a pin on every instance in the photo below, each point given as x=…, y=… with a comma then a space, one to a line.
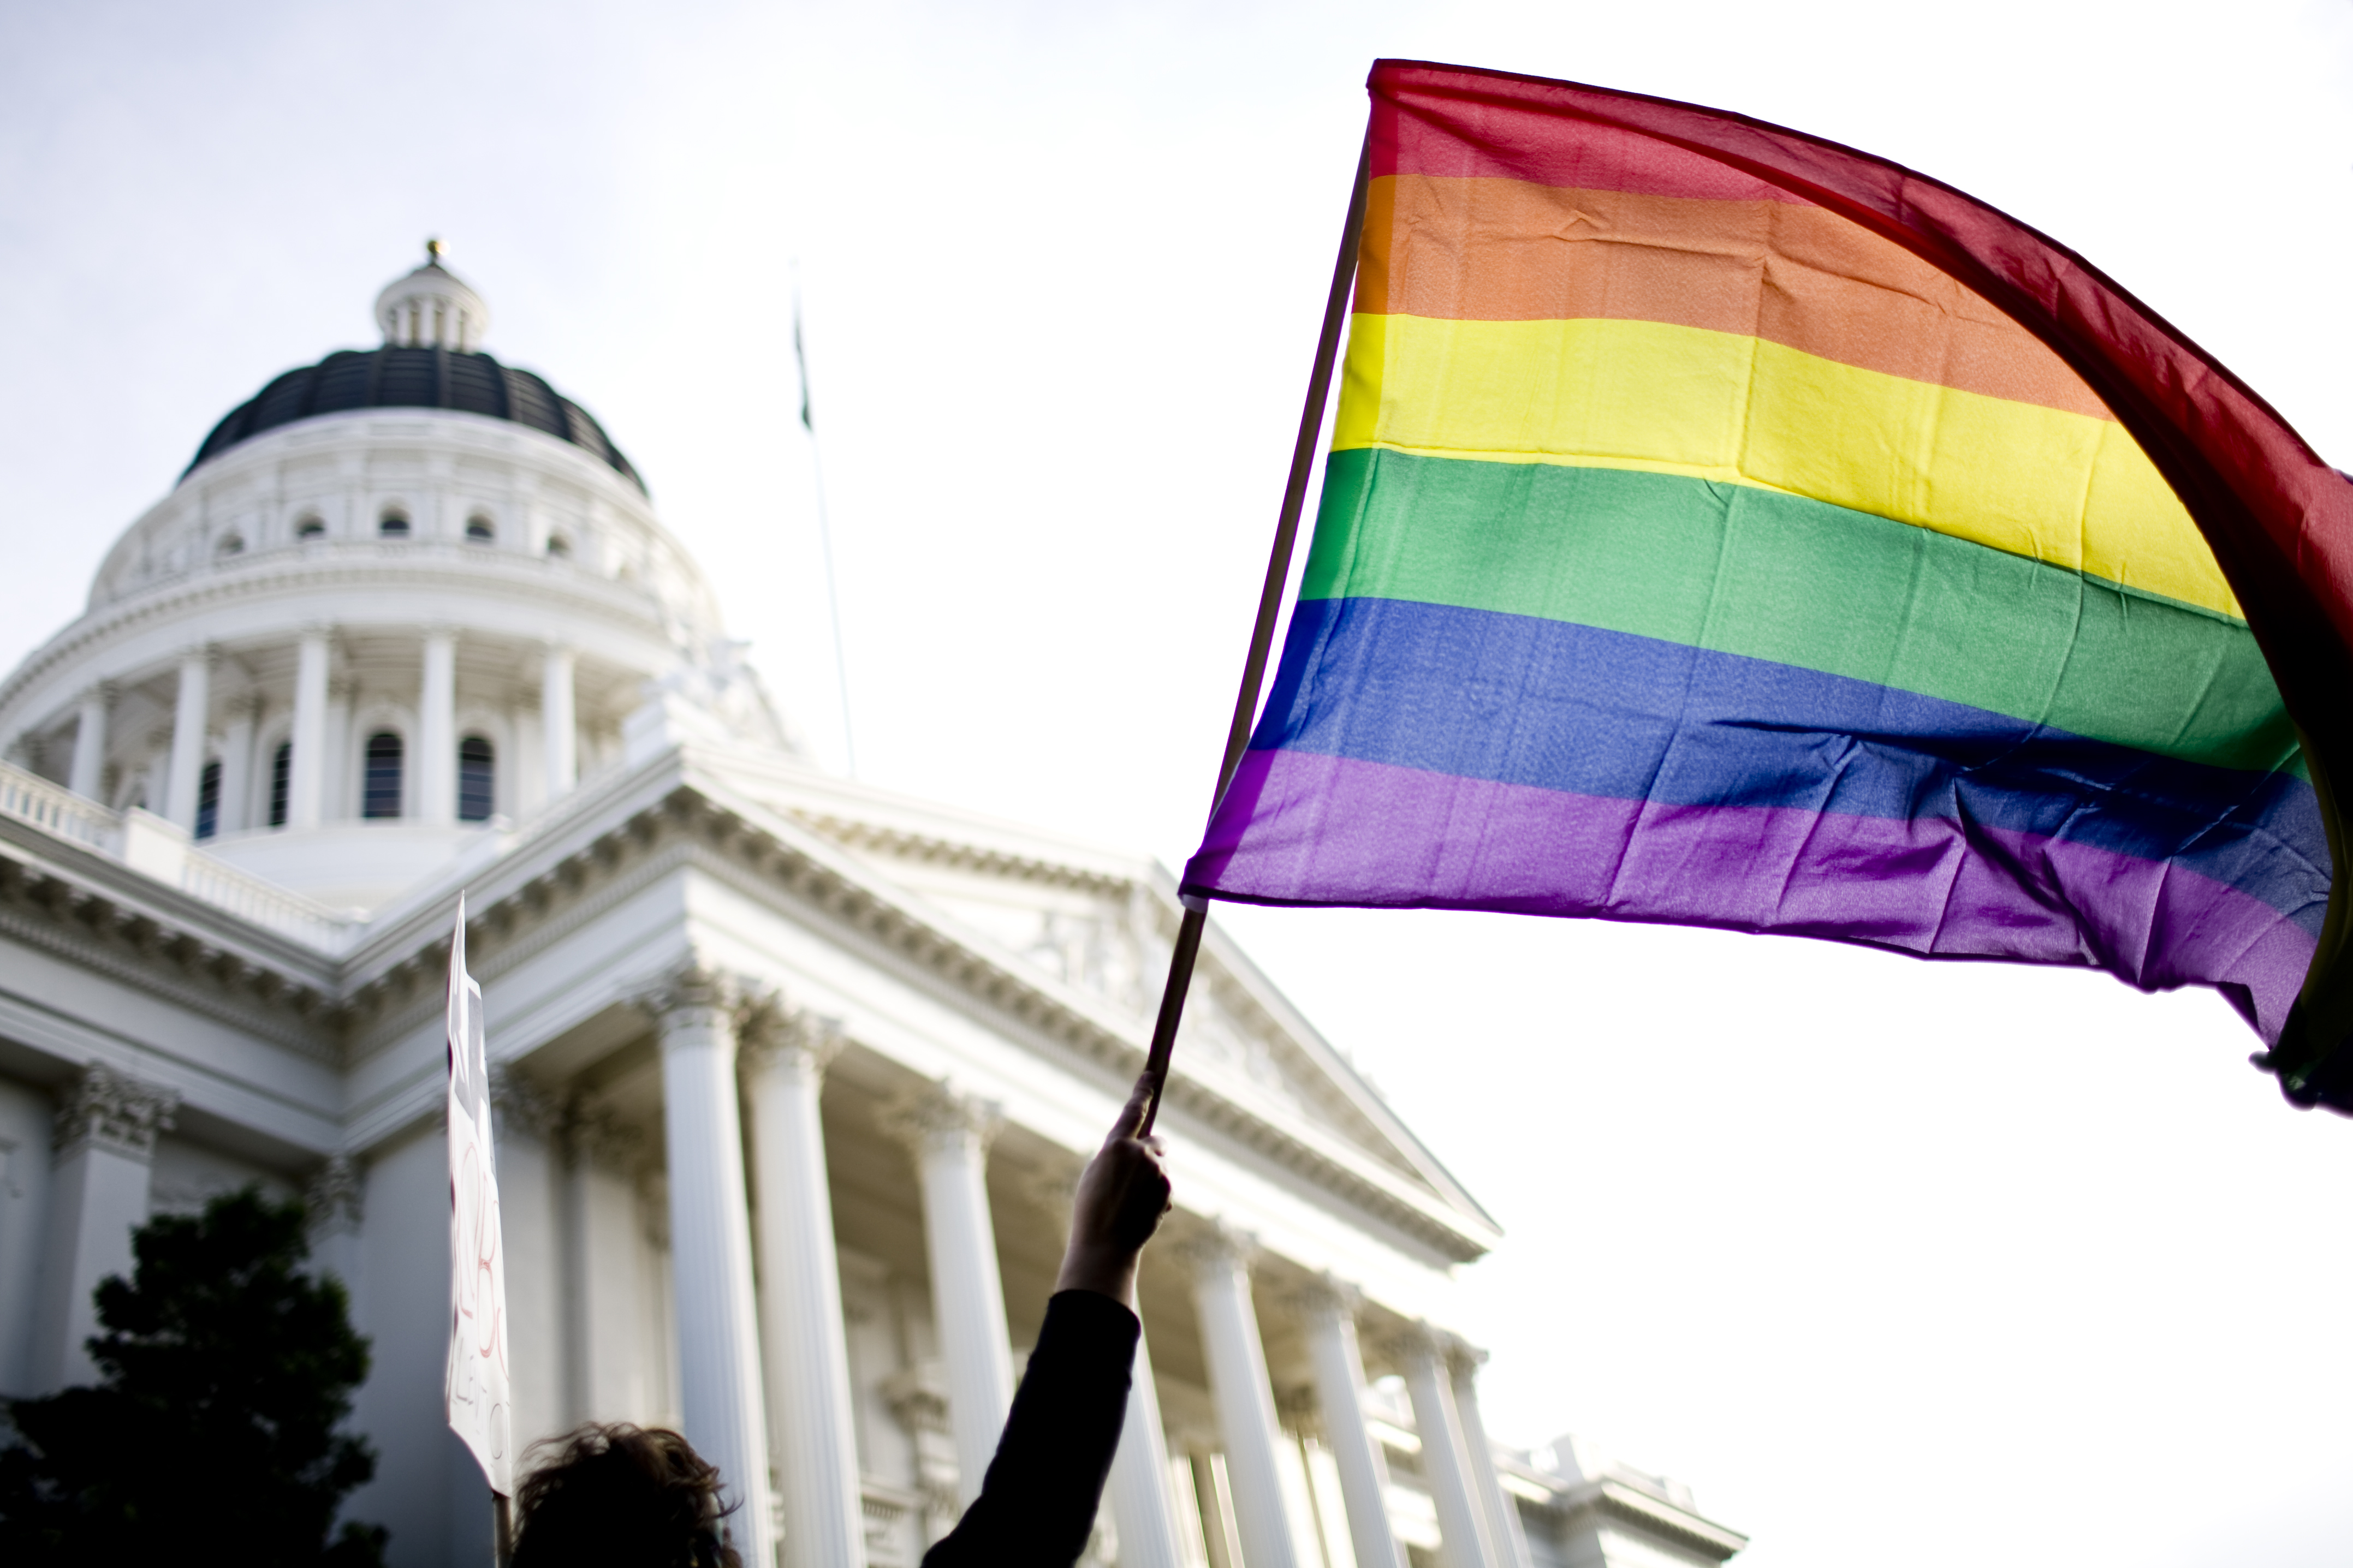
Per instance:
x=1725, y=528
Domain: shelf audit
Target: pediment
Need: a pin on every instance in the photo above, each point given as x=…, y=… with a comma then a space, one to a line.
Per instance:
x=1102, y=921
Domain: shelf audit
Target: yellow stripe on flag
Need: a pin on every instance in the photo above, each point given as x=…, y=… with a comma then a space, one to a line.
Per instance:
x=2040, y=482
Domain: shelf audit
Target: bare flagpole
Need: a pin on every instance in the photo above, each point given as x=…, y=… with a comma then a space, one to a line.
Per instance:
x=824, y=539
x=1270, y=604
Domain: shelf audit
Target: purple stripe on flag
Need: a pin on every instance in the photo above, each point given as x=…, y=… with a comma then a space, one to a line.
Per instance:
x=1303, y=827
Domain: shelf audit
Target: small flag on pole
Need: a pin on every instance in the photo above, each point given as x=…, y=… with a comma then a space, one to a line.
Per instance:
x=1726, y=528
x=479, y=1408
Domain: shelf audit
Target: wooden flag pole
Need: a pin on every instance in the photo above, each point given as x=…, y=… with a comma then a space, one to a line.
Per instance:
x=503, y=1529
x=1270, y=604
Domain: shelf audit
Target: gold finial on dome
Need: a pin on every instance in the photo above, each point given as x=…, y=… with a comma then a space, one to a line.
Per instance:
x=434, y=251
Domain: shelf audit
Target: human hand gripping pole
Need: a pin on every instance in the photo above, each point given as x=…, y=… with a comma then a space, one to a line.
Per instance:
x=1123, y=1194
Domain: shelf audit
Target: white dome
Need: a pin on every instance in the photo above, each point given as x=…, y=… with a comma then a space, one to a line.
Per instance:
x=355, y=644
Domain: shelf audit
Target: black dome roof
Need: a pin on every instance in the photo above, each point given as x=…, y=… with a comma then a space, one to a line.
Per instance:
x=414, y=378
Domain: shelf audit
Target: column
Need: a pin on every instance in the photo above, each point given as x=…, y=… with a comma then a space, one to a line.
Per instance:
x=1214, y=1500
x=1503, y=1530
x=711, y=1251
x=1139, y=1477
x=89, y=777
x=105, y=1145
x=579, y=1355
x=1244, y=1397
x=560, y=721
x=339, y=791
x=949, y=1135
x=603, y=1332
x=190, y=717
x=236, y=767
x=1137, y=1488
x=1329, y=1310
x=437, y=730
x=333, y=1202
x=1460, y=1521
x=306, y=767
x=803, y=1342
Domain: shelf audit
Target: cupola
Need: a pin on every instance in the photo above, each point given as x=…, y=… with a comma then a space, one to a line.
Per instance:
x=432, y=308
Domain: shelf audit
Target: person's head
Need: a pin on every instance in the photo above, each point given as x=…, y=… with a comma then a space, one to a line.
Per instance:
x=620, y=1497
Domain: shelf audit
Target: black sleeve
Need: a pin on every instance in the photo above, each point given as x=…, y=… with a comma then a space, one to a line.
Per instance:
x=1039, y=1498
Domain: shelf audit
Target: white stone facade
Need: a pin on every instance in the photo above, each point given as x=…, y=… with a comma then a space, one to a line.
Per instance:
x=793, y=1074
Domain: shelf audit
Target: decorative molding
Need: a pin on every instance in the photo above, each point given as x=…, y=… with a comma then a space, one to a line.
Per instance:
x=1610, y=1499
x=1325, y=1295
x=519, y=1103
x=335, y=1198
x=558, y=918
x=287, y=570
x=599, y=1139
x=686, y=826
x=95, y=955
x=767, y=1031
x=936, y=1118
x=1215, y=1246
x=114, y=1110
x=694, y=830
x=692, y=994
x=919, y=1397
x=1413, y=1343
x=898, y=844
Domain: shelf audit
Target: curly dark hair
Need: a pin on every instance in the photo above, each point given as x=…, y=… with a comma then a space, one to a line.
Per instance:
x=622, y=1497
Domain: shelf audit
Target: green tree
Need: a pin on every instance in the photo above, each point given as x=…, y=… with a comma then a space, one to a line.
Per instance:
x=226, y=1370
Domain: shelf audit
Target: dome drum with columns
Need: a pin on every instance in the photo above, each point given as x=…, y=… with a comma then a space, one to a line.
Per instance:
x=792, y=1075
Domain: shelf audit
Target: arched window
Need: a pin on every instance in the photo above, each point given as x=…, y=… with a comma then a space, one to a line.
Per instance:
x=282, y=782
x=311, y=528
x=208, y=801
x=380, y=784
x=230, y=544
x=392, y=525
x=559, y=548
x=480, y=530
x=477, y=779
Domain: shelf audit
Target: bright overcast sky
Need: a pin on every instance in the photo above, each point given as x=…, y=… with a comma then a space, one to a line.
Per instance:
x=1892, y=1262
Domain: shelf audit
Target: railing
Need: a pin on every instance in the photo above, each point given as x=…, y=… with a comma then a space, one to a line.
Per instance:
x=265, y=903
x=53, y=809
x=165, y=854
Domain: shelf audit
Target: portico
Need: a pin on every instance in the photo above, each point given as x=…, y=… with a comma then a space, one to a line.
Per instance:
x=792, y=1073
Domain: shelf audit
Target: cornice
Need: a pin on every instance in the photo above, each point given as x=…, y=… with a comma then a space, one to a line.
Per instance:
x=1076, y=1021
x=126, y=946
x=900, y=845
x=1617, y=1500
x=646, y=823
x=429, y=564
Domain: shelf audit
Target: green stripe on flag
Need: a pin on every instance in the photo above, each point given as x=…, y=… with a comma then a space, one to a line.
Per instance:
x=1737, y=569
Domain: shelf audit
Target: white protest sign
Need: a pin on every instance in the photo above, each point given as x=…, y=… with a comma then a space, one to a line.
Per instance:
x=479, y=1409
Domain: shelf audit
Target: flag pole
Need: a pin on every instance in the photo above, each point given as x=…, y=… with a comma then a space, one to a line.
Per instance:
x=1270, y=604
x=503, y=1527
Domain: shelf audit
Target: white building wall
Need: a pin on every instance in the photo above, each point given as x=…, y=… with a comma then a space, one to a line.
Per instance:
x=403, y=1308
x=26, y=1113
x=531, y=1230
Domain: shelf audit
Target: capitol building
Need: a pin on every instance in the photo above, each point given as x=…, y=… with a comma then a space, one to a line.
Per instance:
x=792, y=1075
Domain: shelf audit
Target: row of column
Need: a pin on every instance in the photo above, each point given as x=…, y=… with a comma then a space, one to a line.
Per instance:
x=437, y=710
x=1478, y=1524
x=787, y=1339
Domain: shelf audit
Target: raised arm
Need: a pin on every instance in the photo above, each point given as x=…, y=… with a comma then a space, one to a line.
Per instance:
x=1039, y=1498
